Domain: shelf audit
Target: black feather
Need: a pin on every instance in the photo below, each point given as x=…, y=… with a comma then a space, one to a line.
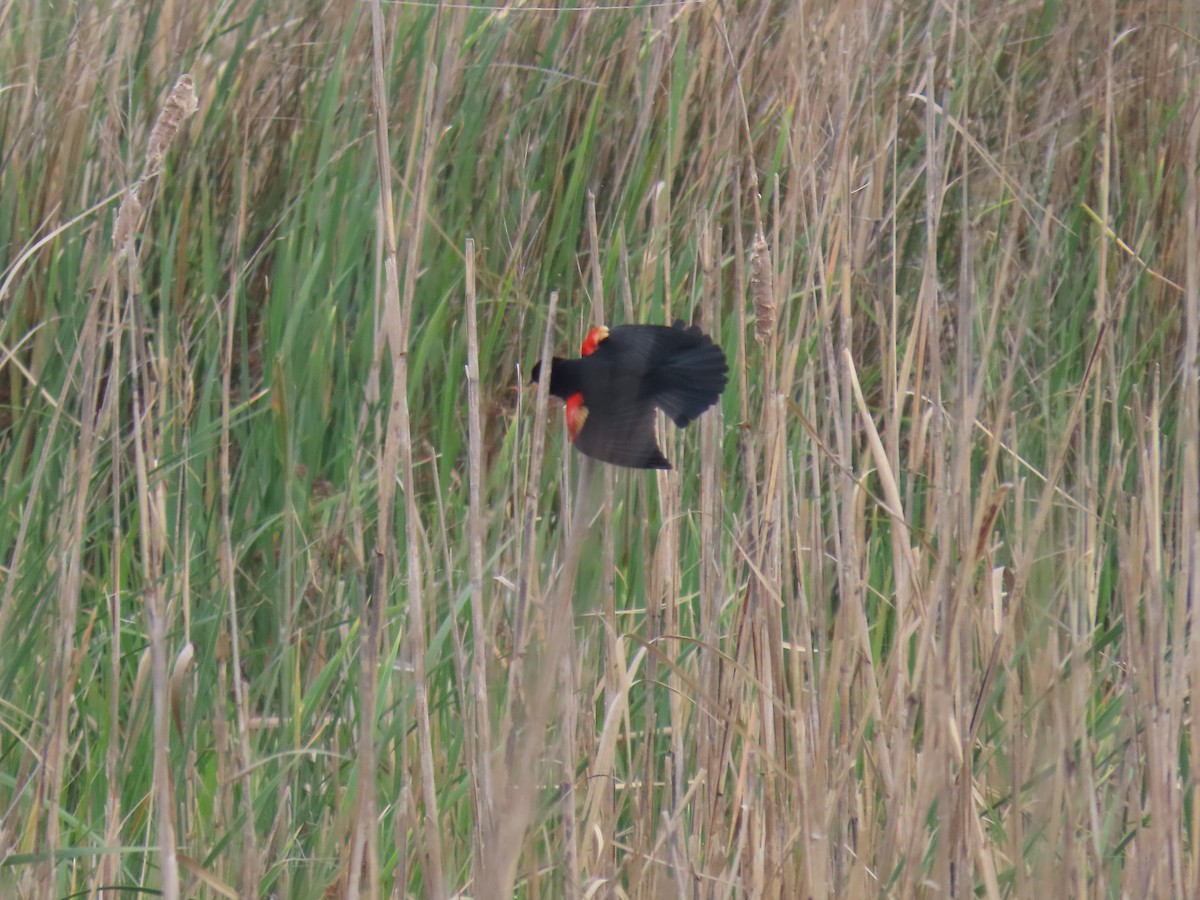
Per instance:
x=635, y=369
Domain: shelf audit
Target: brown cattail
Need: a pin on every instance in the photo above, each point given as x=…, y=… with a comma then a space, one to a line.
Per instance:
x=127, y=218
x=180, y=104
x=762, y=289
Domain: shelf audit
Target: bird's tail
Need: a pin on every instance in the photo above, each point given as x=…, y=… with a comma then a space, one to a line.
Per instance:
x=690, y=381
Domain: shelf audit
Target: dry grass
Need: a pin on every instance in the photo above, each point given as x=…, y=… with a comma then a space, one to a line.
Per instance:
x=304, y=595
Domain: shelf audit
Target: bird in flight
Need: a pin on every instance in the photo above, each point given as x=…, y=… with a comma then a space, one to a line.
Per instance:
x=624, y=374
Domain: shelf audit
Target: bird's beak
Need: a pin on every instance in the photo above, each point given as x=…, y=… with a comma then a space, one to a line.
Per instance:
x=536, y=372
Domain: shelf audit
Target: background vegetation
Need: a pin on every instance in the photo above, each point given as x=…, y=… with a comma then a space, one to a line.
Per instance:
x=303, y=594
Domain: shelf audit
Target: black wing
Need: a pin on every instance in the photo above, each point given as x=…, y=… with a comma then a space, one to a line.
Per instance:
x=682, y=371
x=622, y=435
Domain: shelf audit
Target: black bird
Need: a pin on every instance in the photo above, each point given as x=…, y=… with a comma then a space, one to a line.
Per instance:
x=626, y=372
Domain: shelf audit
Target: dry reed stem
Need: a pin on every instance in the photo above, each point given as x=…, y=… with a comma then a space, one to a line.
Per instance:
x=364, y=843
x=229, y=650
x=1188, y=551
x=480, y=735
x=496, y=868
x=148, y=414
x=527, y=586
x=97, y=412
x=599, y=829
x=518, y=784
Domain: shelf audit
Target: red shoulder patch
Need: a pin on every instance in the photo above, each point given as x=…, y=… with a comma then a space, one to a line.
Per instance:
x=593, y=339
x=576, y=414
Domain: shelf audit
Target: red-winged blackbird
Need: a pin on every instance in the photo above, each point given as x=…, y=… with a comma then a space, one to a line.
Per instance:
x=624, y=374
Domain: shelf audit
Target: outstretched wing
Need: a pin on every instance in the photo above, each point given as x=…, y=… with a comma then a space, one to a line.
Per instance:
x=682, y=371
x=622, y=435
